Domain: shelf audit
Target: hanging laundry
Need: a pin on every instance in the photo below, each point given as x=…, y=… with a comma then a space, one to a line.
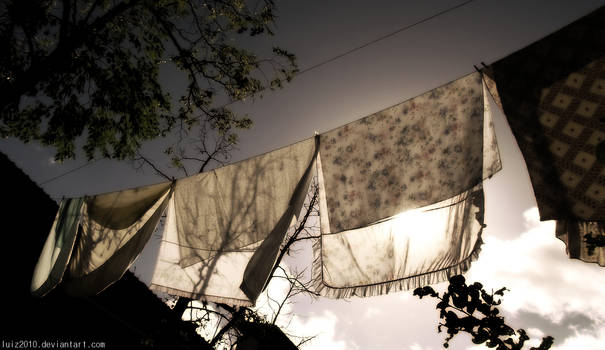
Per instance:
x=553, y=95
x=582, y=239
x=416, y=248
x=236, y=205
x=58, y=247
x=115, y=229
x=401, y=202
x=102, y=236
x=224, y=227
x=222, y=233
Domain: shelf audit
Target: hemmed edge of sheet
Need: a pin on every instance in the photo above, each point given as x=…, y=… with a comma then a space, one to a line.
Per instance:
x=403, y=284
x=200, y=296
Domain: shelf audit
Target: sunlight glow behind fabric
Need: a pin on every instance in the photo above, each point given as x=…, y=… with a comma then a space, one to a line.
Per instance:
x=224, y=227
x=423, y=160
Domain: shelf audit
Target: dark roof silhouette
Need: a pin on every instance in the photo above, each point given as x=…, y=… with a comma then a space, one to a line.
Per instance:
x=258, y=335
x=125, y=315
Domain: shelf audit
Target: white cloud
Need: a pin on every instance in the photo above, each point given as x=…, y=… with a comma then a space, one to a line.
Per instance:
x=548, y=292
x=267, y=302
x=543, y=281
x=583, y=340
x=535, y=337
x=321, y=326
x=535, y=332
x=541, y=277
x=416, y=346
x=372, y=312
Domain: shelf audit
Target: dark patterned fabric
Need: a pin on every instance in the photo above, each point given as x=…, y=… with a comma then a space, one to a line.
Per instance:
x=582, y=238
x=553, y=95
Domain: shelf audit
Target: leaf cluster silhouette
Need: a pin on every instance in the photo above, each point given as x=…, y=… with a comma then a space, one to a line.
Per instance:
x=471, y=309
x=91, y=69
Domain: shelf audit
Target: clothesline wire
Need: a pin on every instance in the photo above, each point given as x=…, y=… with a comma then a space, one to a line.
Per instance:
x=315, y=66
x=90, y=162
x=369, y=43
x=362, y=46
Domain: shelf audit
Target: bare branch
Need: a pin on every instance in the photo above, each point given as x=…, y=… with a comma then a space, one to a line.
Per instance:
x=299, y=229
x=235, y=318
x=140, y=157
x=305, y=340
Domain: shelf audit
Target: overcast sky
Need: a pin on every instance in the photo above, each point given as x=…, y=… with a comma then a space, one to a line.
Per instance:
x=549, y=294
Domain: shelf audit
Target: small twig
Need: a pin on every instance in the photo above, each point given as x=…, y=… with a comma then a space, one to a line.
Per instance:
x=157, y=170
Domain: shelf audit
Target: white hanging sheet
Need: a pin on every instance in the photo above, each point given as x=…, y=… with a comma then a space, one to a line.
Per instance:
x=224, y=227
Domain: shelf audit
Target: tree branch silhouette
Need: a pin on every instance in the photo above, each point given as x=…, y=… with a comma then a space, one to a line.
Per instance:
x=472, y=310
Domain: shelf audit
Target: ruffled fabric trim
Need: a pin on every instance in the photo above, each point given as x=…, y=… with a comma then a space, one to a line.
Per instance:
x=406, y=283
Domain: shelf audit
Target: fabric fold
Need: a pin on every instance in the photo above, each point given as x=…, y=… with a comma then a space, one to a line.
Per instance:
x=58, y=247
x=385, y=179
x=238, y=204
x=553, y=95
x=415, y=248
x=103, y=254
x=96, y=239
x=224, y=227
x=261, y=265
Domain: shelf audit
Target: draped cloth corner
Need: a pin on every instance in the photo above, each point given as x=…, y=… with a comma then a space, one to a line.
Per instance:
x=57, y=249
x=401, y=197
x=553, y=95
x=224, y=227
x=220, y=239
x=416, y=248
x=580, y=238
x=95, y=240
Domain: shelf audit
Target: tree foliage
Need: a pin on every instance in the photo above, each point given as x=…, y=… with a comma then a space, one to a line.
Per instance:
x=472, y=310
x=92, y=67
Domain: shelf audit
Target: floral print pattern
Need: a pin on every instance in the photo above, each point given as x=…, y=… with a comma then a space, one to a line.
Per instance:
x=416, y=153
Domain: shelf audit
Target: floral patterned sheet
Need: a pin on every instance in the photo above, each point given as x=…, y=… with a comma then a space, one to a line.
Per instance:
x=417, y=153
x=401, y=197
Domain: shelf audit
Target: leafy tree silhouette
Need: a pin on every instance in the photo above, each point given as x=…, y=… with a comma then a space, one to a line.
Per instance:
x=472, y=310
x=90, y=69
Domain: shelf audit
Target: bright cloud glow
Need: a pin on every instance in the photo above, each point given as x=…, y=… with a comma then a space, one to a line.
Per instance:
x=543, y=281
x=583, y=341
x=549, y=295
x=534, y=334
x=267, y=302
x=321, y=326
x=372, y=312
x=416, y=346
